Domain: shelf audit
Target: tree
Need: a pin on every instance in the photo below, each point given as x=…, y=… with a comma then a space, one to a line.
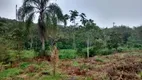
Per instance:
x=85, y=24
x=44, y=9
x=54, y=19
x=114, y=41
x=89, y=32
x=83, y=19
x=73, y=16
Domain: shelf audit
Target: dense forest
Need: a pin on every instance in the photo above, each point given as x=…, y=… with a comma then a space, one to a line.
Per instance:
x=71, y=39
x=98, y=41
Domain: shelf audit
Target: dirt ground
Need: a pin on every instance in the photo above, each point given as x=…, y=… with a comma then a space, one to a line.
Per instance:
x=119, y=66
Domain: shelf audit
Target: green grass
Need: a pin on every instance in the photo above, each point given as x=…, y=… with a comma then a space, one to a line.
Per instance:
x=28, y=54
x=24, y=65
x=67, y=54
x=99, y=60
x=10, y=73
x=75, y=63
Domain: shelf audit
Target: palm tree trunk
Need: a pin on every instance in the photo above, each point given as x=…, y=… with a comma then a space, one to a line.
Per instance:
x=42, y=31
x=74, y=44
x=31, y=43
x=88, y=45
x=43, y=45
x=55, y=58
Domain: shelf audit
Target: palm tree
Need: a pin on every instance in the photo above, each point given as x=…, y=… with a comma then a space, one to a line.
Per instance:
x=66, y=17
x=73, y=15
x=83, y=19
x=44, y=9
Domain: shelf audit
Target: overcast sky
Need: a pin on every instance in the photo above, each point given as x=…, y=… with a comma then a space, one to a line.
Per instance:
x=103, y=12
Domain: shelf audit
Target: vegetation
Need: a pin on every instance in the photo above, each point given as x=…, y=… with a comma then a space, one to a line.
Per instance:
x=51, y=49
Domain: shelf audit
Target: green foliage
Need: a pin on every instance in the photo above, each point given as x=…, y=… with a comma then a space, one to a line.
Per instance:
x=120, y=49
x=24, y=65
x=14, y=55
x=28, y=54
x=99, y=60
x=105, y=52
x=114, y=40
x=67, y=54
x=10, y=72
x=75, y=63
x=3, y=53
x=98, y=44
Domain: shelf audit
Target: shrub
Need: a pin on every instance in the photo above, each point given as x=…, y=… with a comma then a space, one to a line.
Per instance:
x=94, y=52
x=120, y=49
x=83, y=52
x=105, y=52
x=67, y=54
x=28, y=54
x=3, y=53
x=13, y=55
x=137, y=45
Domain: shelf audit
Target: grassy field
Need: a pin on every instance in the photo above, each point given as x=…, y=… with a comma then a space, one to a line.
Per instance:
x=118, y=66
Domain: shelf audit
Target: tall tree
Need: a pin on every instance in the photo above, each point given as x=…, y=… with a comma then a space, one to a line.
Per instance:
x=73, y=15
x=41, y=7
x=54, y=35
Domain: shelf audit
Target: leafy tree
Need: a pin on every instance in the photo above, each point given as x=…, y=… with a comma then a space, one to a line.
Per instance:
x=114, y=41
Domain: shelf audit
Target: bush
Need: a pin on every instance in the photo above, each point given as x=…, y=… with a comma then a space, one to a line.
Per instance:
x=83, y=52
x=28, y=54
x=3, y=53
x=10, y=72
x=13, y=55
x=120, y=49
x=67, y=54
x=137, y=45
x=105, y=52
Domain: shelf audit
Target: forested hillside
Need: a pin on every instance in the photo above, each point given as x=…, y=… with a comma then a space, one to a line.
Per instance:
x=99, y=40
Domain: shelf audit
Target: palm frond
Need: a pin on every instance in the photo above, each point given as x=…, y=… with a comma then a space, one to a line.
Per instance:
x=29, y=21
x=24, y=11
x=48, y=19
x=83, y=19
x=73, y=14
x=44, y=3
x=66, y=17
x=31, y=2
x=56, y=10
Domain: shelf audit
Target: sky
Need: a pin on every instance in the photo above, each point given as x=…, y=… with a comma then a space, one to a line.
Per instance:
x=103, y=12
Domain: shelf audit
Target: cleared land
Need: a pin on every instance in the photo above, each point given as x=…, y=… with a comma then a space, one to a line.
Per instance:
x=119, y=66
